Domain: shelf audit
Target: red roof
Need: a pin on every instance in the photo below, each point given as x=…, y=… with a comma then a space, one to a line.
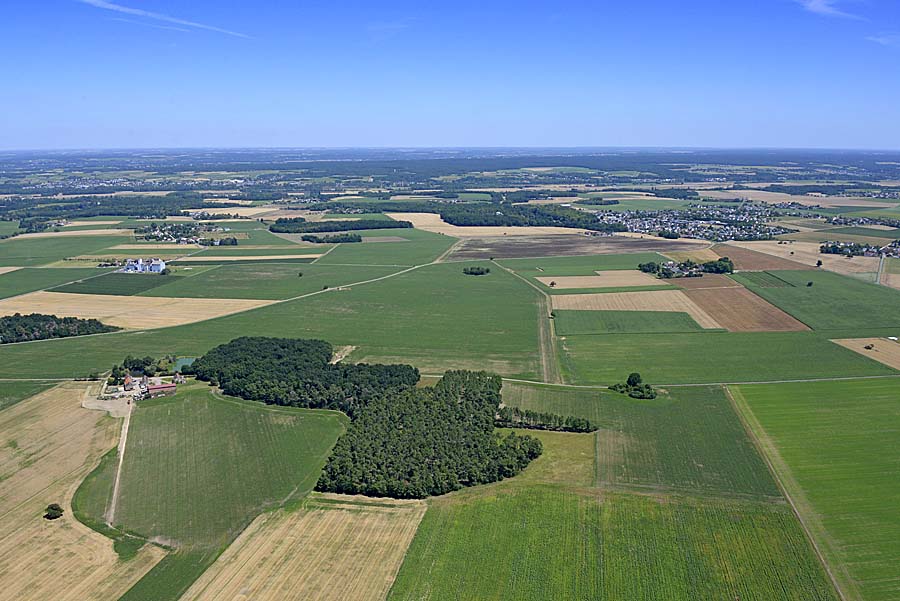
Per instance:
x=154, y=387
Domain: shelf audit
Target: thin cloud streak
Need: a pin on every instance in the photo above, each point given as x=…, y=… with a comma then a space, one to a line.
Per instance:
x=886, y=39
x=138, y=12
x=153, y=25
x=828, y=8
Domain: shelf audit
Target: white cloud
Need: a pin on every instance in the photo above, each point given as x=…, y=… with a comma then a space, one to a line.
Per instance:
x=828, y=8
x=138, y=12
x=155, y=26
x=886, y=39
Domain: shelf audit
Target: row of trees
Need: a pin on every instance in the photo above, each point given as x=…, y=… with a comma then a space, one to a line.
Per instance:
x=298, y=225
x=428, y=441
x=38, y=326
x=297, y=373
x=513, y=417
x=332, y=239
x=476, y=270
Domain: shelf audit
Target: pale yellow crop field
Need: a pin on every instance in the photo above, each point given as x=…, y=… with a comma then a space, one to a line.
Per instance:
x=603, y=279
x=343, y=549
x=883, y=350
x=807, y=253
x=48, y=444
x=133, y=312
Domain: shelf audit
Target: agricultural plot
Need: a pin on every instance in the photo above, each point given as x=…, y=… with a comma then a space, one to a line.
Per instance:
x=204, y=259
x=24, y=252
x=688, y=439
x=432, y=222
x=15, y=392
x=133, y=312
x=833, y=301
x=760, y=279
x=434, y=317
x=807, y=253
x=880, y=349
x=710, y=357
x=334, y=547
x=271, y=281
x=119, y=284
x=739, y=310
x=831, y=444
x=751, y=260
x=494, y=545
x=48, y=443
x=420, y=247
x=603, y=279
x=27, y=280
x=571, y=323
x=870, y=232
x=75, y=232
x=578, y=265
x=509, y=247
x=708, y=281
x=662, y=300
x=195, y=447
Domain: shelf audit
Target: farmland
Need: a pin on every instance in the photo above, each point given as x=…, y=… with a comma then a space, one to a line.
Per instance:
x=14, y=392
x=663, y=300
x=27, y=280
x=41, y=251
x=828, y=442
x=189, y=447
x=570, y=323
x=120, y=284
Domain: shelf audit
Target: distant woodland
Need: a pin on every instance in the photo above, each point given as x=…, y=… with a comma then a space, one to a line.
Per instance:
x=37, y=326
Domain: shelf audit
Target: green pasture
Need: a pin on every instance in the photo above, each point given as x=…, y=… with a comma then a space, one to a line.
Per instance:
x=570, y=323
x=420, y=247
x=711, y=357
x=121, y=284
x=834, y=446
x=760, y=279
x=686, y=439
x=577, y=265
x=893, y=234
x=8, y=227
x=13, y=392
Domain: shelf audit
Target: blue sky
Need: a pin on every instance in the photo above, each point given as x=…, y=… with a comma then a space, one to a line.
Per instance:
x=722, y=73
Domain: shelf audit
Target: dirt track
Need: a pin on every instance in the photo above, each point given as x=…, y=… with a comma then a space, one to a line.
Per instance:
x=346, y=549
x=49, y=444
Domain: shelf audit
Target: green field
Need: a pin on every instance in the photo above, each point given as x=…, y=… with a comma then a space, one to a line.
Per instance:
x=833, y=301
x=27, y=280
x=13, y=392
x=578, y=265
x=240, y=251
x=548, y=543
x=865, y=231
x=8, y=227
x=264, y=280
x=570, y=323
x=27, y=252
x=198, y=468
x=122, y=284
x=688, y=439
x=711, y=357
x=834, y=446
x=434, y=317
x=760, y=279
x=420, y=247
x=648, y=204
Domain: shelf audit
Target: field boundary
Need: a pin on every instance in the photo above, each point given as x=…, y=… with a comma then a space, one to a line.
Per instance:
x=793, y=493
x=123, y=438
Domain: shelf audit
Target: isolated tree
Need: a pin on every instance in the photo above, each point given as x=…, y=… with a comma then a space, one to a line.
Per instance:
x=809, y=284
x=299, y=274
x=553, y=284
x=634, y=379
x=819, y=263
x=53, y=511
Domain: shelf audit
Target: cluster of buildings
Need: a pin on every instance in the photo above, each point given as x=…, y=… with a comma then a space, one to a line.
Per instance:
x=716, y=223
x=142, y=266
x=854, y=249
x=144, y=387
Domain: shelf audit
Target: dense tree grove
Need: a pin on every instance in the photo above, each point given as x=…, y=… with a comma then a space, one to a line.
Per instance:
x=37, y=326
x=634, y=387
x=298, y=225
x=298, y=373
x=155, y=207
x=332, y=239
x=476, y=270
x=513, y=417
x=687, y=269
x=428, y=441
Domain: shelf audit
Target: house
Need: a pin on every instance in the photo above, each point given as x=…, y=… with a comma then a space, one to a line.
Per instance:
x=141, y=266
x=158, y=390
x=128, y=383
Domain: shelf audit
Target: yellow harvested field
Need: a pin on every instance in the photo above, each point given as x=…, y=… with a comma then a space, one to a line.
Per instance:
x=883, y=350
x=344, y=549
x=224, y=258
x=701, y=255
x=242, y=211
x=808, y=253
x=89, y=223
x=778, y=197
x=653, y=300
x=8, y=269
x=48, y=444
x=638, y=236
x=134, y=312
x=603, y=279
x=184, y=247
x=431, y=222
x=72, y=233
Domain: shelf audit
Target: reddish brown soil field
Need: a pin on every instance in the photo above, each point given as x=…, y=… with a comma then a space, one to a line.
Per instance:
x=750, y=260
x=710, y=280
x=739, y=310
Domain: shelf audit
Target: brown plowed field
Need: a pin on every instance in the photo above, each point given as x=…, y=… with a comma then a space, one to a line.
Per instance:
x=739, y=310
x=750, y=260
x=337, y=548
x=661, y=300
x=884, y=351
x=48, y=444
x=710, y=280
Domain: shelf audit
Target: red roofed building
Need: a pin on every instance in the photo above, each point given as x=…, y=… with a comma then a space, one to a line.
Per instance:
x=157, y=390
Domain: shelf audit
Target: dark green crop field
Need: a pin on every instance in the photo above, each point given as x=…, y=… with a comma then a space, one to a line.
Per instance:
x=29, y=279
x=122, y=284
x=570, y=323
x=688, y=439
x=834, y=445
x=27, y=252
x=547, y=543
x=833, y=301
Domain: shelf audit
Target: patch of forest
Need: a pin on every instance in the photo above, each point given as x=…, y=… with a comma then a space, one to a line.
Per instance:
x=299, y=225
x=38, y=326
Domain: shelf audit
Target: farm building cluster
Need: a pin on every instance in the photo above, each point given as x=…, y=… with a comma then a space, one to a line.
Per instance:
x=143, y=388
x=141, y=266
